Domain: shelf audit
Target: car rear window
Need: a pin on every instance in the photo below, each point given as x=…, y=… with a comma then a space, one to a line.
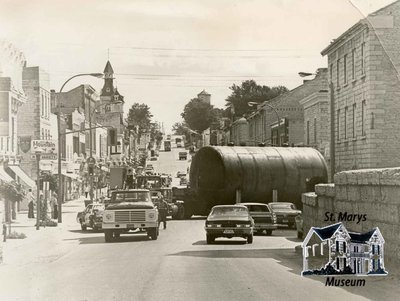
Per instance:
x=258, y=208
x=237, y=211
x=283, y=206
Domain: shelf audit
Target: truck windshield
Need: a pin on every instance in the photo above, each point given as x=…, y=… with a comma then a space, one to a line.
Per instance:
x=132, y=196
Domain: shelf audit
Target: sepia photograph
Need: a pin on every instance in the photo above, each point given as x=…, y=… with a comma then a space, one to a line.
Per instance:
x=199, y=150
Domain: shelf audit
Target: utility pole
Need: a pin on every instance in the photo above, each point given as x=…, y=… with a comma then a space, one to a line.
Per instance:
x=38, y=203
x=90, y=149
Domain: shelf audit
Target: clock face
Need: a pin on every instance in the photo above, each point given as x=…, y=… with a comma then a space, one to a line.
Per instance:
x=108, y=89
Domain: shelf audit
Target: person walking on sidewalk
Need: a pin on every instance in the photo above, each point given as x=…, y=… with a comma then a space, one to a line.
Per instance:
x=53, y=204
x=86, y=191
x=31, y=207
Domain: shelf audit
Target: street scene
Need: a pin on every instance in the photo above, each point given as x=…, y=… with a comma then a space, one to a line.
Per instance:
x=200, y=151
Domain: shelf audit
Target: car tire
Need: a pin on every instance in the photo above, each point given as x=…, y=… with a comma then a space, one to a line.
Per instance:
x=210, y=239
x=83, y=226
x=108, y=235
x=268, y=232
x=250, y=239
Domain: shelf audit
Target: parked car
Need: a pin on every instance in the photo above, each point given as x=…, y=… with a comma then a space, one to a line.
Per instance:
x=285, y=213
x=180, y=174
x=149, y=168
x=264, y=218
x=153, y=158
x=229, y=221
x=91, y=217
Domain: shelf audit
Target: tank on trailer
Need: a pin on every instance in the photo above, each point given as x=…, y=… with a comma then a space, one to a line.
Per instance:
x=218, y=172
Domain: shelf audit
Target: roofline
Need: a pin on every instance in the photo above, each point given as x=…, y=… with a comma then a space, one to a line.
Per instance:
x=340, y=39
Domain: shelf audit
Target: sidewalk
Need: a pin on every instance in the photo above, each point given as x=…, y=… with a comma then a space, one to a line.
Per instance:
x=41, y=245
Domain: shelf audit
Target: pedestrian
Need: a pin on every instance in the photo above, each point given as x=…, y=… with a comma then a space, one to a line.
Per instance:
x=162, y=211
x=31, y=210
x=86, y=191
x=54, y=205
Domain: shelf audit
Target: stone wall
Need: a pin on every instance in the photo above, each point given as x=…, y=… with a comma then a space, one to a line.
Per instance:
x=373, y=192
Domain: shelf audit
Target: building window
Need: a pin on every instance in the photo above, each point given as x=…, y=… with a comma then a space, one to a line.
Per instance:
x=338, y=124
x=363, y=108
x=337, y=72
x=345, y=122
x=42, y=102
x=353, y=64
x=315, y=130
x=345, y=69
x=354, y=120
x=363, y=58
x=12, y=133
x=308, y=132
x=331, y=72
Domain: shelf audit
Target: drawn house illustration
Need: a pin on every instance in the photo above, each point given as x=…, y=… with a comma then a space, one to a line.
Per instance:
x=335, y=250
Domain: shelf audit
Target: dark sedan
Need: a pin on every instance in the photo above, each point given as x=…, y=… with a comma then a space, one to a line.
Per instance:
x=264, y=218
x=229, y=221
x=285, y=213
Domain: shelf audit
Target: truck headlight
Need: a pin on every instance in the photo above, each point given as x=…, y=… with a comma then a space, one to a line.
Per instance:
x=151, y=215
x=108, y=216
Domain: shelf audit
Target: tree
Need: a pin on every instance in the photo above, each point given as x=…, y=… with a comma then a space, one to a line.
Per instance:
x=198, y=115
x=139, y=115
x=249, y=91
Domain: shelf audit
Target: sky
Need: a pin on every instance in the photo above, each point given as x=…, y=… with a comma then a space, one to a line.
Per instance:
x=166, y=52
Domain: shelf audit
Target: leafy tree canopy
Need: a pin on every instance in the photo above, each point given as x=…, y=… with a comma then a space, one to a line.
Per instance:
x=198, y=115
x=139, y=115
x=249, y=91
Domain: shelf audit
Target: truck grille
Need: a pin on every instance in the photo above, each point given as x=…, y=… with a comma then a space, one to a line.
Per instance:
x=130, y=216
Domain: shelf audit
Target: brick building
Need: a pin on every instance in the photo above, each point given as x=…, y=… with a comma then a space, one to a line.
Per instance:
x=34, y=116
x=280, y=120
x=363, y=67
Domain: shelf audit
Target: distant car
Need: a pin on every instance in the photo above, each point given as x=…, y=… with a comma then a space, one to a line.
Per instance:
x=285, y=213
x=192, y=149
x=182, y=155
x=149, y=168
x=179, y=144
x=183, y=181
x=91, y=217
x=264, y=218
x=229, y=221
x=153, y=158
x=180, y=174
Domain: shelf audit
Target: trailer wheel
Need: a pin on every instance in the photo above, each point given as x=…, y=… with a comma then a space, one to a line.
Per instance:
x=210, y=239
x=108, y=235
x=250, y=239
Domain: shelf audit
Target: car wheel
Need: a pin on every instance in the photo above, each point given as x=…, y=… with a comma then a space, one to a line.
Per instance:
x=250, y=239
x=268, y=232
x=117, y=235
x=83, y=226
x=210, y=239
x=108, y=235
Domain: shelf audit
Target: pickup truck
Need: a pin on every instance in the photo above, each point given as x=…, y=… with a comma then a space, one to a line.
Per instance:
x=91, y=217
x=130, y=210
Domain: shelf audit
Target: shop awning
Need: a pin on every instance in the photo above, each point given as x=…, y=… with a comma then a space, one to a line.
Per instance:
x=4, y=176
x=23, y=176
x=71, y=175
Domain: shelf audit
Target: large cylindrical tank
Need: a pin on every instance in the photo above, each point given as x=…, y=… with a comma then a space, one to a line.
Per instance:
x=217, y=172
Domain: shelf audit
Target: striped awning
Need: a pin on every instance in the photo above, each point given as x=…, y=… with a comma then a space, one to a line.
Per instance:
x=4, y=176
x=23, y=176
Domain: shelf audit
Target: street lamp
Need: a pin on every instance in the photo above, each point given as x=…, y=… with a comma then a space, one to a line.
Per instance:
x=253, y=103
x=332, y=124
x=59, y=195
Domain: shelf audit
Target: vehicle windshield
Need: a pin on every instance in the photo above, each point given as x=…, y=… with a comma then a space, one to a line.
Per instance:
x=131, y=196
x=234, y=210
x=257, y=208
x=283, y=206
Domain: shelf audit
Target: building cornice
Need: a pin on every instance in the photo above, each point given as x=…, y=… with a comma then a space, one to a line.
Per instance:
x=317, y=97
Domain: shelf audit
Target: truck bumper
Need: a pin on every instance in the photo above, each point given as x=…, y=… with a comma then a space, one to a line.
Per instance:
x=130, y=225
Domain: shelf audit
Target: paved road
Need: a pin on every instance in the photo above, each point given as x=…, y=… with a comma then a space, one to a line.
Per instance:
x=68, y=264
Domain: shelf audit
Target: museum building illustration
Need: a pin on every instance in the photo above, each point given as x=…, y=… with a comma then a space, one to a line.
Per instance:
x=333, y=250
